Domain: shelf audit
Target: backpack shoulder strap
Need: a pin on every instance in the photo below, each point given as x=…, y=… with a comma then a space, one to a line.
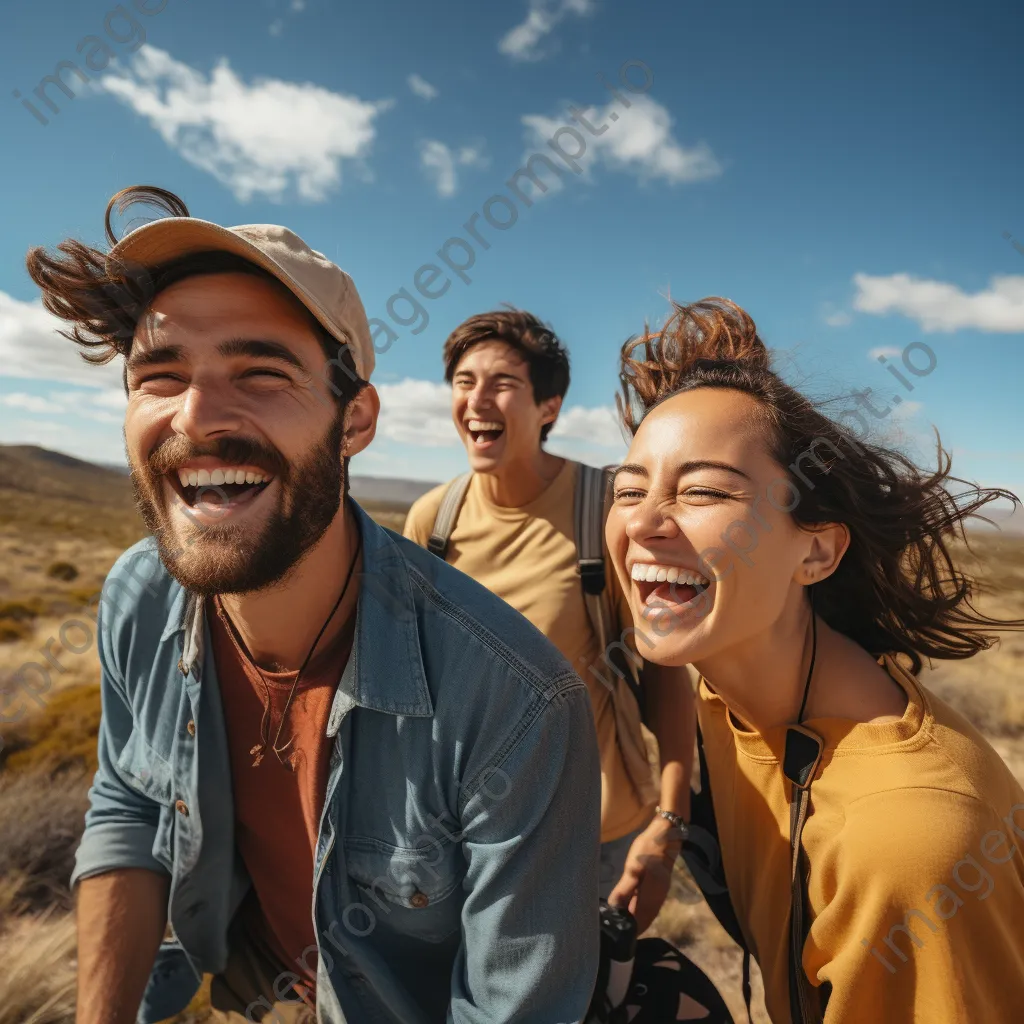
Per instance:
x=447, y=514
x=592, y=488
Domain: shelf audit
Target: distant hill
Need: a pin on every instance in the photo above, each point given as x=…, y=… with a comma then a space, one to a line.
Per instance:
x=49, y=491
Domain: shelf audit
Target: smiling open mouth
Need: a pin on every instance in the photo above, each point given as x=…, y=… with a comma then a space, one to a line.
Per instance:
x=484, y=432
x=221, y=488
x=660, y=585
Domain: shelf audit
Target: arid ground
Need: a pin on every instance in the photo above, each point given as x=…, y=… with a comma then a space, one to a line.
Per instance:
x=62, y=524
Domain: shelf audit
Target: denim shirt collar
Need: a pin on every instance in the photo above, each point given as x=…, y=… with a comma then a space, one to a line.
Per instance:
x=385, y=671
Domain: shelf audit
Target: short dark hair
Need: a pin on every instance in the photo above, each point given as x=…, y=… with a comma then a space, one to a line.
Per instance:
x=546, y=357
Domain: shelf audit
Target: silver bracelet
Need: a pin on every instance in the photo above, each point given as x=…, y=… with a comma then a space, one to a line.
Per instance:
x=675, y=821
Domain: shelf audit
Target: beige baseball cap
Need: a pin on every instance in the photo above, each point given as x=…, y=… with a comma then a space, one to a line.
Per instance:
x=321, y=286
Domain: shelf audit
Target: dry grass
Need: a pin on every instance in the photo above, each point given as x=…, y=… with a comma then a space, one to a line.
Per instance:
x=47, y=757
x=37, y=983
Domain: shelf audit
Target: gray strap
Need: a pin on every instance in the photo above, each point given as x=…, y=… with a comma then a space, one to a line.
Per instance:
x=447, y=514
x=589, y=509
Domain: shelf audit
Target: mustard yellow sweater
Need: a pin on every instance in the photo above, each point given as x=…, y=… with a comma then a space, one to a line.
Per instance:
x=916, y=871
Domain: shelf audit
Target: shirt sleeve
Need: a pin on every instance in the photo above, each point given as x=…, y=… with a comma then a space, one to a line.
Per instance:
x=925, y=922
x=120, y=824
x=419, y=521
x=530, y=929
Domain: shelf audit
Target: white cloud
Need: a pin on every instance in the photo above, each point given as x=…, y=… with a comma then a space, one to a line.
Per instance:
x=263, y=138
x=298, y=5
x=440, y=163
x=30, y=403
x=31, y=348
x=523, y=41
x=839, y=319
x=906, y=410
x=417, y=412
x=939, y=306
x=276, y=27
x=70, y=403
x=597, y=425
x=422, y=88
x=637, y=141
x=888, y=351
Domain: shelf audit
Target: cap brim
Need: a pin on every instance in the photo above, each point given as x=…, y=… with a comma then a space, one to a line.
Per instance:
x=170, y=238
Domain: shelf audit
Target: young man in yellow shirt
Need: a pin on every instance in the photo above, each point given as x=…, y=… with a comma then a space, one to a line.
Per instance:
x=511, y=526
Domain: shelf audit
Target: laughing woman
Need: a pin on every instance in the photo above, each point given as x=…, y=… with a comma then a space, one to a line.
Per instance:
x=870, y=837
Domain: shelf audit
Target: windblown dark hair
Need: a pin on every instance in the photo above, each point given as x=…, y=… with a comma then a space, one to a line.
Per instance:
x=897, y=589
x=103, y=298
x=546, y=359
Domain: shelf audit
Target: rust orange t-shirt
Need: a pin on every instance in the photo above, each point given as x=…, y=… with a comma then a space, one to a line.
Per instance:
x=278, y=806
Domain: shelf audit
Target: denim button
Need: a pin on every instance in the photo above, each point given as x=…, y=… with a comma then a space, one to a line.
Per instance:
x=181, y=667
x=181, y=807
x=191, y=727
x=419, y=899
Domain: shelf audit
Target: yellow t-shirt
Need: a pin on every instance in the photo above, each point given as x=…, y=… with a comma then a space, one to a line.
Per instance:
x=917, y=903
x=527, y=556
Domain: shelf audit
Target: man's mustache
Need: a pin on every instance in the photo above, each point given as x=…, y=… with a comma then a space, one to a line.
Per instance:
x=178, y=450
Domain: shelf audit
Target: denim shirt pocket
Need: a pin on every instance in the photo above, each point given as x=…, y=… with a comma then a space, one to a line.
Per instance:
x=411, y=891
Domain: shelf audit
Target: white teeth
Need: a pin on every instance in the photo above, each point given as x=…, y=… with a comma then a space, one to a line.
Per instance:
x=217, y=477
x=183, y=477
x=475, y=425
x=204, y=477
x=258, y=478
x=193, y=478
x=230, y=476
x=250, y=476
x=645, y=572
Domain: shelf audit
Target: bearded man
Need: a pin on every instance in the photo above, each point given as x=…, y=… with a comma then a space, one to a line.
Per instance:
x=335, y=774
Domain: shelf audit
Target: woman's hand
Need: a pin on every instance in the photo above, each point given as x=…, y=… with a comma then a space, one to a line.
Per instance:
x=647, y=874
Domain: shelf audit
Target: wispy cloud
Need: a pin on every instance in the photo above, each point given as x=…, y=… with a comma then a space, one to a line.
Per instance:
x=31, y=348
x=523, y=43
x=884, y=351
x=264, y=138
x=638, y=141
x=276, y=27
x=440, y=163
x=596, y=425
x=422, y=88
x=418, y=412
x=839, y=319
x=83, y=404
x=940, y=306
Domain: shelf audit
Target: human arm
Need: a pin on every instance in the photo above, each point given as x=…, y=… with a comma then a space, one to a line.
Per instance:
x=121, y=888
x=671, y=715
x=529, y=949
x=121, y=920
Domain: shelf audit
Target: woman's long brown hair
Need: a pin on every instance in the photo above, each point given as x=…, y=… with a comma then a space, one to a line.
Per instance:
x=897, y=589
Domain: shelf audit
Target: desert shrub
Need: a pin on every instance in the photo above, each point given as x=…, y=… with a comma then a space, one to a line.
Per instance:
x=11, y=631
x=22, y=611
x=37, y=983
x=62, y=571
x=60, y=738
x=43, y=818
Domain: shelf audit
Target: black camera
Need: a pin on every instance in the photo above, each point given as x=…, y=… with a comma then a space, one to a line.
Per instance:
x=618, y=950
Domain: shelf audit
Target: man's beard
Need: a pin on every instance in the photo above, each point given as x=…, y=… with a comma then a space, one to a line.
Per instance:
x=212, y=558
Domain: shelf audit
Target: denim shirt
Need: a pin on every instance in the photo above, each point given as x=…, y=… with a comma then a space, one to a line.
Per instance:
x=456, y=867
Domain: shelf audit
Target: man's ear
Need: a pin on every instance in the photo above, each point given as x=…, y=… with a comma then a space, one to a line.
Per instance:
x=550, y=408
x=360, y=420
x=828, y=543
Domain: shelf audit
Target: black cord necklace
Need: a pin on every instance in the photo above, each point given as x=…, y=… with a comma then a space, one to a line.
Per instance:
x=260, y=749
x=814, y=654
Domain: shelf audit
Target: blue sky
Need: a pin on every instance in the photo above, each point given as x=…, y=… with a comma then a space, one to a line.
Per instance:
x=852, y=177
